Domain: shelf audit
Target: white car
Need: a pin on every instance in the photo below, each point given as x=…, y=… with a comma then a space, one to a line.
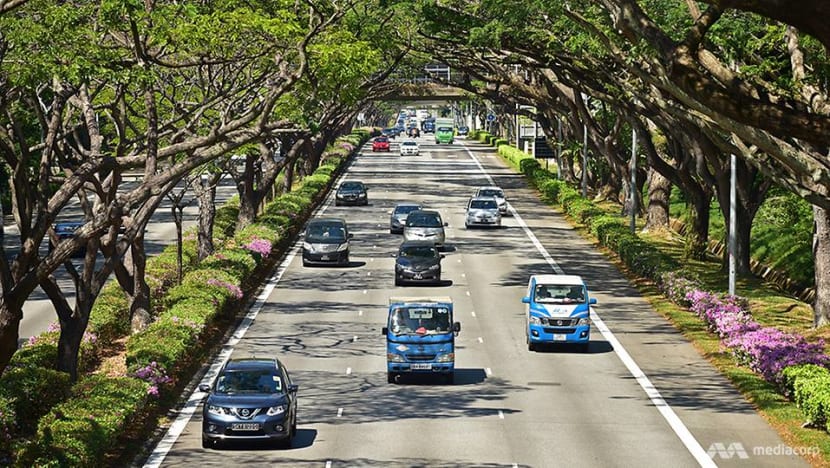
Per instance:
x=495, y=192
x=482, y=211
x=410, y=147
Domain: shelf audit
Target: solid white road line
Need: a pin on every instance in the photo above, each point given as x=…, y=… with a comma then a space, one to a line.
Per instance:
x=339, y=412
x=480, y=339
x=692, y=445
x=488, y=371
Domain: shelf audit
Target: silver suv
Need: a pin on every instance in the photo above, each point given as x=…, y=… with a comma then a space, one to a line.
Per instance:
x=482, y=211
x=496, y=192
x=424, y=225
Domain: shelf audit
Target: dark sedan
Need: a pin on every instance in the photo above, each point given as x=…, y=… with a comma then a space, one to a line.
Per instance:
x=251, y=399
x=351, y=193
x=417, y=261
x=326, y=240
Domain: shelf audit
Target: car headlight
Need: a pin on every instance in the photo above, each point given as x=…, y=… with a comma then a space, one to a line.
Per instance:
x=275, y=410
x=308, y=246
x=339, y=195
x=393, y=357
x=584, y=321
x=449, y=357
x=343, y=247
x=535, y=320
x=218, y=410
x=434, y=267
x=361, y=195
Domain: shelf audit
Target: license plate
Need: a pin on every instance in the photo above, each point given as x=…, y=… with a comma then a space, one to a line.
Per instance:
x=324, y=257
x=418, y=276
x=421, y=366
x=559, y=337
x=245, y=427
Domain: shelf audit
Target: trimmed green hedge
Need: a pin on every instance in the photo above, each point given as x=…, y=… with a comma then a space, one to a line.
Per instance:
x=809, y=387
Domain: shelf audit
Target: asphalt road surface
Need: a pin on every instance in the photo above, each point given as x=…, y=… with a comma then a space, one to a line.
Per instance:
x=641, y=396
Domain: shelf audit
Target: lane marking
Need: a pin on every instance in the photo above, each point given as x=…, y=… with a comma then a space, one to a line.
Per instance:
x=369, y=274
x=680, y=429
x=359, y=312
x=468, y=293
x=348, y=370
x=463, y=275
x=480, y=339
x=473, y=313
x=501, y=414
x=365, y=291
x=488, y=371
x=328, y=464
x=339, y=412
x=354, y=338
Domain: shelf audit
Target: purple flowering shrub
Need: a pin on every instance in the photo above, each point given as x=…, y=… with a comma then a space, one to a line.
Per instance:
x=154, y=374
x=233, y=289
x=677, y=284
x=259, y=246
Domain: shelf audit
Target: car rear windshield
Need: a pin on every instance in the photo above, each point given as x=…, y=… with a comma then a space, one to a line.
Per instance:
x=444, y=129
x=381, y=140
x=326, y=232
x=483, y=204
x=249, y=381
x=423, y=220
x=406, y=209
x=410, y=143
x=420, y=251
x=352, y=186
x=491, y=193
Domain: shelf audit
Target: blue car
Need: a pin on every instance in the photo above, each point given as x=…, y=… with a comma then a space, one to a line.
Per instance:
x=558, y=311
x=66, y=230
x=251, y=399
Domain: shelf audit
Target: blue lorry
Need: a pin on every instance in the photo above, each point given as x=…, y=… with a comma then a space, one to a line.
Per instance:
x=420, y=337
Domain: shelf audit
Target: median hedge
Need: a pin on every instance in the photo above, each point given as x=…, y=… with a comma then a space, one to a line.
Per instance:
x=79, y=431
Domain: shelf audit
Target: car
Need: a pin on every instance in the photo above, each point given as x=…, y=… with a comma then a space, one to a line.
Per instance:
x=326, y=241
x=425, y=225
x=417, y=261
x=428, y=126
x=250, y=399
x=414, y=132
x=397, y=217
x=558, y=311
x=482, y=211
x=66, y=230
x=380, y=143
x=463, y=130
x=351, y=192
x=493, y=191
x=389, y=132
x=410, y=147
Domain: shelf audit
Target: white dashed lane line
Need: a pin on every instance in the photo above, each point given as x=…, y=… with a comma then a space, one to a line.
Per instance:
x=348, y=370
x=480, y=339
x=488, y=371
x=339, y=412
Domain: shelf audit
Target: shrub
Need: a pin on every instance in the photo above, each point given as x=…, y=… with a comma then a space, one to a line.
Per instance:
x=110, y=316
x=812, y=395
x=7, y=428
x=224, y=222
x=19, y=385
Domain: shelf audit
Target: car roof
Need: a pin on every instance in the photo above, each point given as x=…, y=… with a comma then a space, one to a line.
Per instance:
x=558, y=279
x=482, y=198
x=351, y=182
x=426, y=212
x=252, y=363
x=489, y=187
x=417, y=243
x=327, y=221
x=408, y=204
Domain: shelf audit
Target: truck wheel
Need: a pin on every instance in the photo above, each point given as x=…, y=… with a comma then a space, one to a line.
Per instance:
x=449, y=379
x=530, y=345
x=583, y=347
x=390, y=377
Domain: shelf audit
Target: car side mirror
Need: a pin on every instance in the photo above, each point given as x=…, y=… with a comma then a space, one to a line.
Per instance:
x=446, y=224
x=351, y=235
x=384, y=331
x=456, y=328
x=442, y=256
x=526, y=300
x=393, y=255
x=593, y=300
x=204, y=388
x=293, y=388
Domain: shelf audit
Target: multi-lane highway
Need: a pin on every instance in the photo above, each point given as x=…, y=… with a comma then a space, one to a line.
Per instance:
x=641, y=396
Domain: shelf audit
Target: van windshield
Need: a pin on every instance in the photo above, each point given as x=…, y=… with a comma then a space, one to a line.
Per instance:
x=559, y=294
x=419, y=320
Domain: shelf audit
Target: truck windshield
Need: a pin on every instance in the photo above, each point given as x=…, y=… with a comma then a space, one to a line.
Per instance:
x=445, y=129
x=559, y=294
x=419, y=320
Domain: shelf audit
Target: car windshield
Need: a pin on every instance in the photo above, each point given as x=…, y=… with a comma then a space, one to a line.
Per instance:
x=249, y=381
x=419, y=320
x=483, y=204
x=351, y=186
x=410, y=143
x=490, y=193
x=381, y=140
x=406, y=209
x=326, y=232
x=420, y=251
x=559, y=294
x=424, y=220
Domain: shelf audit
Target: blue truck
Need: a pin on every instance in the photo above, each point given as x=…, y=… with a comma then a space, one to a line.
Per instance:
x=420, y=337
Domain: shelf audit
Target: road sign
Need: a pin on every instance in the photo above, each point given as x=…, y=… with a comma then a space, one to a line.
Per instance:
x=541, y=149
x=491, y=117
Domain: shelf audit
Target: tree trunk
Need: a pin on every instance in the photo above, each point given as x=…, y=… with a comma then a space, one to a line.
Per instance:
x=71, y=334
x=289, y=177
x=177, y=217
x=821, y=263
x=10, y=315
x=248, y=195
x=697, y=236
x=140, y=312
x=659, y=190
x=207, y=213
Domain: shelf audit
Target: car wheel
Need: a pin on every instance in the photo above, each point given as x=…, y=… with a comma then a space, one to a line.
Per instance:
x=583, y=347
x=391, y=231
x=206, y=442
x=390, y=377
x=449, y=379
x=397, y=281
x=530, y=345
x=337, y=203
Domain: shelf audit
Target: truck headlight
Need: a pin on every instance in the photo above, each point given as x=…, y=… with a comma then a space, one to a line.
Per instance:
x=584, y=321
x=449, y=357
x=343, y=247
x=275, y=410
x=535, y=320
x=393, y=357
x=307, y=246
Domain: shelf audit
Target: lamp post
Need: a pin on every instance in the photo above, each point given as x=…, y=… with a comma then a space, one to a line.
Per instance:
x=732, y=242
x=584, y=161
x=632, y=190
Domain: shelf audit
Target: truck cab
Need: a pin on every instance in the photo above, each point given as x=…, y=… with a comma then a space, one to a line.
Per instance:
x=558, y=311
x=420, y=337
x=444, y=131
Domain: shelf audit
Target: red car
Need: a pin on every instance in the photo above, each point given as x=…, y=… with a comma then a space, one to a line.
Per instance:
x=380, y=144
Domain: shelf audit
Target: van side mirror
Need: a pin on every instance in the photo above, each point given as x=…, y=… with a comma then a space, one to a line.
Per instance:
x=204, y=388
x=293, y=388
x=384, y=331
x=446, y=223
x=442, y=256
x=456, y=328
x=526, y=300
x=592, y=300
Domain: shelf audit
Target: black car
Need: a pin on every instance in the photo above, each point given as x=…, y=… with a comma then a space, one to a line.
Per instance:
x=66, y=230
x=389, y=132
x=418, y=261
x=326, y=241
x=351, y=192
x=251, y=399
x=462, y=130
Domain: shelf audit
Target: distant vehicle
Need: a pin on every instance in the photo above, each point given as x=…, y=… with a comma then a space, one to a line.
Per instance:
x=497, y=193
x=397, y=219
x=417, y=261
x=251, y=399
x=380, y=144
x=326, y=240
x=444, y=131
x=66, y=230
x=482, y=211
x=428, y=126
x=414, y=132
x=420, y=337
x=463, y=130
x=558, y=311
x=425, y=225
x=351, y=192
x=410, y=147
x=389, y=132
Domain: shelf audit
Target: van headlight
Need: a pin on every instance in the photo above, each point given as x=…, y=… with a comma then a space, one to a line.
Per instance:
x=584, y=321
x=343, y=247
x=394, y=357
x=361, y=195
x=535, y=320
x=449, y=357
x=308, y=246
x=275, y=410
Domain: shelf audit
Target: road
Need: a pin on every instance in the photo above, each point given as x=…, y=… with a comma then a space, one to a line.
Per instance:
x=641, y=396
